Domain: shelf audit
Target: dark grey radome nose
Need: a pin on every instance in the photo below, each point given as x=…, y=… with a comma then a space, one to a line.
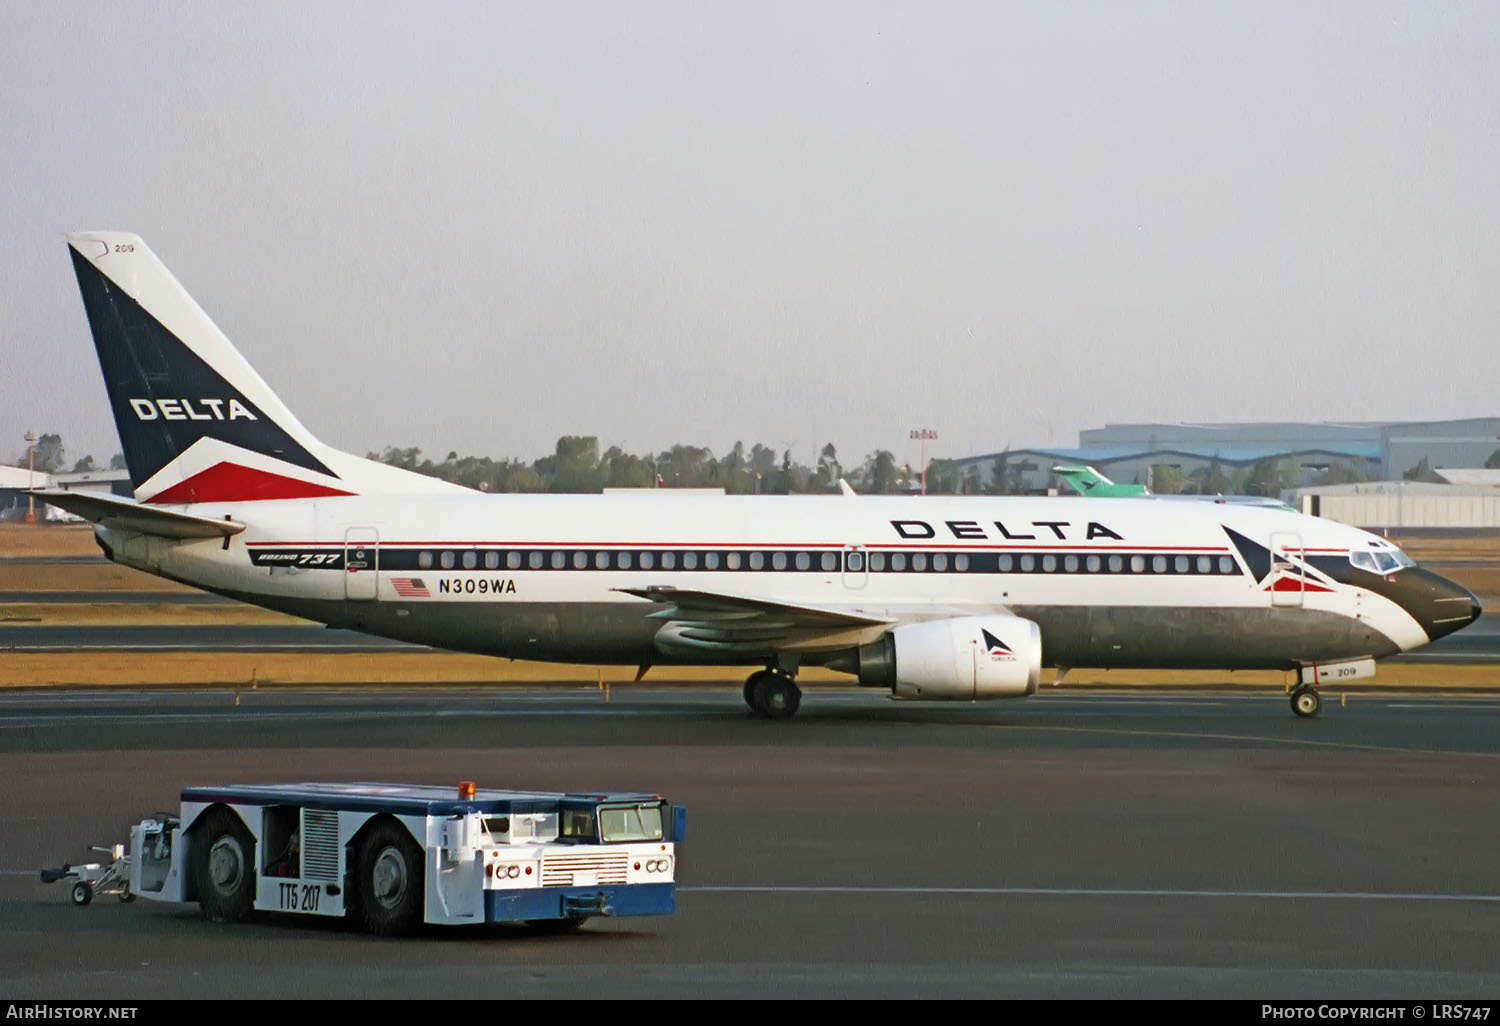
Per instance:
x=1441, y=606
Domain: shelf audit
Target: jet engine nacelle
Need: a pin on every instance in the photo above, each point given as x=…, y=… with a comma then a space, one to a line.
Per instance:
x=966, y=657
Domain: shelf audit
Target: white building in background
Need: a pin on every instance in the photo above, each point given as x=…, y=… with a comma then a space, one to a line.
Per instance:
x=14, y=481
x=1472, y=477
x=13, y=484
x=1403, y=506
x=113, y=481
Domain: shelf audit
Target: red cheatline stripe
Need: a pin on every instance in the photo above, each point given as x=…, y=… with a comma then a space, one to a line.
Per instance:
x=1287, y=584
x=230, y=482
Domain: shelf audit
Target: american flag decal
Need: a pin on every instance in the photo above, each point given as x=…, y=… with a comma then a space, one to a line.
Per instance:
x=410, y=587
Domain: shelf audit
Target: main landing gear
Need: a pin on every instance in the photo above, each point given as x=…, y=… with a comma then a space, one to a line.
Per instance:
x=773, y=694
x=1305, y=700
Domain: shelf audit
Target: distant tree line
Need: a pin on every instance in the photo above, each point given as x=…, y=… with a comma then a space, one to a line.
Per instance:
x=578, y=465
x=48, y=458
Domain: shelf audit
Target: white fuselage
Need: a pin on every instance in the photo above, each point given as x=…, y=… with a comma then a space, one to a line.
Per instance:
x=450, y=570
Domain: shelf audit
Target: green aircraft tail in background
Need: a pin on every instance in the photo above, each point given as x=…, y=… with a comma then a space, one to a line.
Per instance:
x=1088, y=481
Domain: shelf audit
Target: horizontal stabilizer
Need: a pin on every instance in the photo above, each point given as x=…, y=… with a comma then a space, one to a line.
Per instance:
x=120, y=514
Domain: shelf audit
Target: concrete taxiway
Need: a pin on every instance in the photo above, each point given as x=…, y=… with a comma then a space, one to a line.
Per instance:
x=1068, y=845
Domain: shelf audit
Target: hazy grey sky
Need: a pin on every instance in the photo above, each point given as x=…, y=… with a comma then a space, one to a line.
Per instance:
x=480, y=226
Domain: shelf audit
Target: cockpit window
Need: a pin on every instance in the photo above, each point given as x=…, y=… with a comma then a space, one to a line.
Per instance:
x=1381, y=561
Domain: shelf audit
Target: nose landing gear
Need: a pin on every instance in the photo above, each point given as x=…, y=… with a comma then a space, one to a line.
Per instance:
x=773, y=694
x=1305, y=701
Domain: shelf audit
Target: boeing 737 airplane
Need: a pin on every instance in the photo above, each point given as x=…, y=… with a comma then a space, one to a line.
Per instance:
x=929, y=597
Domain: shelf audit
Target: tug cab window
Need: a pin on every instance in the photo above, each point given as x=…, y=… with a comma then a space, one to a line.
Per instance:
x=577, y=823
x=533, y=823
x=622, y=823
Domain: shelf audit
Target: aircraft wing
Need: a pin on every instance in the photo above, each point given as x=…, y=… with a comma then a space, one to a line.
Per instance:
x=128, y=515
x=727, y=624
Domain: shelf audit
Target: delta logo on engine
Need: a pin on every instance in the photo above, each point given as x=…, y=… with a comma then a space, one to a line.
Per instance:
x=999, y=651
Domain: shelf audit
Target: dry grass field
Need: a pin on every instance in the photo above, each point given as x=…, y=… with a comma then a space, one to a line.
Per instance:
x=1474, y=561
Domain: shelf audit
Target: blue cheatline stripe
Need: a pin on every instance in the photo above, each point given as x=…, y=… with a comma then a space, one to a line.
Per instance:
x=1078, y=561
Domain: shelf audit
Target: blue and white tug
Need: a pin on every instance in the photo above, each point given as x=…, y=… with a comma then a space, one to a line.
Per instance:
x=392, y=856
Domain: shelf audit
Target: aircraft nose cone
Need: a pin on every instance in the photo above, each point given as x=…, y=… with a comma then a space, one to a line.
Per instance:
x=1441, y=606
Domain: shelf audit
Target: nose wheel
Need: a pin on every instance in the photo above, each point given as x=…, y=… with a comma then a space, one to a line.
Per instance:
x=1305, y=701
x=772, y=694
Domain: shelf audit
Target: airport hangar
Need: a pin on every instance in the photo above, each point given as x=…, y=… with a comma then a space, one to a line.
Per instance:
x=1126, y=453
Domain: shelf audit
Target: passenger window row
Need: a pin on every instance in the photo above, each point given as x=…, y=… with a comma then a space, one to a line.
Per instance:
x=824, y=561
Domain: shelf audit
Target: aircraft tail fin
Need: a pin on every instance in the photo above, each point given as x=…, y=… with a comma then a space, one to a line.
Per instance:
x=196, y=422
x=1088, y=481
x=1081, y=479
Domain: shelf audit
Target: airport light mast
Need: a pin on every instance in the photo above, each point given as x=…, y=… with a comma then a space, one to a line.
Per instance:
x=30, y=476
x=924, y=434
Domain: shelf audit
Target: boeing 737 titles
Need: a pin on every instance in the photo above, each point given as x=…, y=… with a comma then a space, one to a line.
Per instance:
x=930, y=597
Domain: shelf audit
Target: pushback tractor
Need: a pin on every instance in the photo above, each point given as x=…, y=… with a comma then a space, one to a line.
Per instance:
x=392, y=856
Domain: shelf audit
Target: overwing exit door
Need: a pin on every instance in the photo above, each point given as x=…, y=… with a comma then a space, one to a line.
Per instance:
x=856, y=567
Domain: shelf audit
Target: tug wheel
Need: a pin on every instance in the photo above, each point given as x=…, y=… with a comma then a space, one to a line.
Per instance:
x=83, y=893
x=224, y=866
x=389, y=884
